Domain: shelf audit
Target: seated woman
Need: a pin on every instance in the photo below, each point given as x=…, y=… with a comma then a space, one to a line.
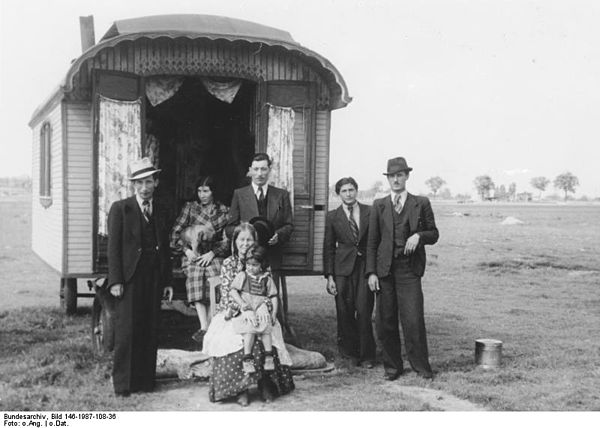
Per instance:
x=228, y=378
x=202, y=254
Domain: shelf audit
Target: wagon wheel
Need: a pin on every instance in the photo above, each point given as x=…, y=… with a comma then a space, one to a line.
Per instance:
x=68, y=295
x=102, y=326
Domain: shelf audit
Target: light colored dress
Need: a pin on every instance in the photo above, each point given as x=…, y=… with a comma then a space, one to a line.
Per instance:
x=256, y=292
x=221, y=342
x=221, y=338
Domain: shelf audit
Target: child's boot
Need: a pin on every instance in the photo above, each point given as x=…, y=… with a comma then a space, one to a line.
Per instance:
x=269, y=363
x=248, y=364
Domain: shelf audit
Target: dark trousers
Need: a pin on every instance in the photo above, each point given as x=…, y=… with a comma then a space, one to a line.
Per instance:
x=354, y=308
x=401, y=295
x=136, y=329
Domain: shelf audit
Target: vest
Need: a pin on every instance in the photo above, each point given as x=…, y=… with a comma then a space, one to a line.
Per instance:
x=401, y=231
x=149, y=243
x=255, y=287
x=262, y=207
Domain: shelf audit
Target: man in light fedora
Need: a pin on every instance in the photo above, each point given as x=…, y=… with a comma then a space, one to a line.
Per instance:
x=400, y=225
x=139, y=272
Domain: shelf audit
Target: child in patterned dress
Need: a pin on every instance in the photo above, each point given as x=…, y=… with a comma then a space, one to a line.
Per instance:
x=255, y=292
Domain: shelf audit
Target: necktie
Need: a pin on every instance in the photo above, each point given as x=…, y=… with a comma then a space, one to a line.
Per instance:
x=353, y=225
x=146, y=210
x=261, y=195
x=397, y=204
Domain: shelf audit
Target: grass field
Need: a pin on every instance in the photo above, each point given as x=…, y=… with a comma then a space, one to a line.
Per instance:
x=535, y=286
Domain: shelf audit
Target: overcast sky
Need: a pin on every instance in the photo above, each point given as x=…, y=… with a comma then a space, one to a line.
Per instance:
x=460, y=88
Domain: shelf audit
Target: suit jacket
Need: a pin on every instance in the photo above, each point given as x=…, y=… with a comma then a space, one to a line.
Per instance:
x=279, y=212
x=339, y=249
x=125, y=240
x=380, y=242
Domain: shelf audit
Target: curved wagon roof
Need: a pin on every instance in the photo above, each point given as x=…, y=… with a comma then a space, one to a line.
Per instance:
x=208, y=27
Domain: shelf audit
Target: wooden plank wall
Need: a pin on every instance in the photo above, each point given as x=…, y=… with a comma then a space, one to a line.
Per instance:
x=297, y=251
x=80, y=203
x=321, y=184
x=47, y=223
x=252, y=61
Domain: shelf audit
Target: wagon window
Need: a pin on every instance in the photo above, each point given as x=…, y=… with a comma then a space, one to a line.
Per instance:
x=45, y=165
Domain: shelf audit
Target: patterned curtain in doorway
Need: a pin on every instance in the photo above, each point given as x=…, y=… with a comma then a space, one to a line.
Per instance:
x=119, y=143
x=280, y=147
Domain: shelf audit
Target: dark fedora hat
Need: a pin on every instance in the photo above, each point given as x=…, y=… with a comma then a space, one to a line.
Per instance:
x=264, y=230
x=396, y=165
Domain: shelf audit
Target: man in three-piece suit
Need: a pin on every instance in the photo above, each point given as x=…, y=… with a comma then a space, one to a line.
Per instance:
x=262, y=200
x=139, y=272
x=400, y=225
x=344, y=251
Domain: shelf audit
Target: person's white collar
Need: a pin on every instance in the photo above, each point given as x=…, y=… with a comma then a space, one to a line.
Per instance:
x=346, y=207
x=140, y=202
x=264, y=189
x=403, y=196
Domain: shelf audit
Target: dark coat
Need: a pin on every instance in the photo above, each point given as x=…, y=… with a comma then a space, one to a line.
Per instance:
x=279, y=212
x=339, y=249
x=380, y=243
x=125, y=244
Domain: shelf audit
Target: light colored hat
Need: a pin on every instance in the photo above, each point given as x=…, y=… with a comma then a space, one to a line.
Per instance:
x=142, y=168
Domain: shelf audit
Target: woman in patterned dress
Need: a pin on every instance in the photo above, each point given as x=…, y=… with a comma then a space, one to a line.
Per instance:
x=204, y=210
x=227, y=379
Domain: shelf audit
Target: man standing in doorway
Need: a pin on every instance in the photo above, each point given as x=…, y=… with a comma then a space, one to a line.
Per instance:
x=139, y=272
x=262, y=200
x=400, y=225
x=344, y=251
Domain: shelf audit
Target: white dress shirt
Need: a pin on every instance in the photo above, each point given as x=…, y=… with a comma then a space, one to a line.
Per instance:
x=264, y=189
x=140, y=202
x=403, y=196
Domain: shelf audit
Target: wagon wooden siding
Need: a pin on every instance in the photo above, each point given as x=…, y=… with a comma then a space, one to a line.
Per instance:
x=165, y=56
x=321, y=184
x=47, y=223
x=64, y=234
x=80, y=204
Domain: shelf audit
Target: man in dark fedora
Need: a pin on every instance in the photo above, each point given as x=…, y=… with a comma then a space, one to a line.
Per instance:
x=344, y=252
x=139, y=273
x=400, y=225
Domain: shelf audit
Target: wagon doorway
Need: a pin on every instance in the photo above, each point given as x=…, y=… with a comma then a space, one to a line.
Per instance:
x=188, y=126
x=205, y=128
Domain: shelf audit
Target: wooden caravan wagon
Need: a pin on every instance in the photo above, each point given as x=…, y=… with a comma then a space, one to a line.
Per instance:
x=199, y=95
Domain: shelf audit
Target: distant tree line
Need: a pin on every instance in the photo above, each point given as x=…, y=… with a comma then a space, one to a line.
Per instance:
x=23, y=182
x=486, y=189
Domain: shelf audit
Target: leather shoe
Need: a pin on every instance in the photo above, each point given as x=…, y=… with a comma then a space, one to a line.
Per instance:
x=267, y=395
x=369, y=364
x=425, y=375
x=391, y=375
x=243, y=400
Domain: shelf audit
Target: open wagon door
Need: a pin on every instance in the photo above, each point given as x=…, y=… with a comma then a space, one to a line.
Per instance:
x=300, y=101
x=118, y=133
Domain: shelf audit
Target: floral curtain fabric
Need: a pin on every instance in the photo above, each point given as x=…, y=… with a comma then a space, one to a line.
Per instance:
x=160, y=89
x=119, y=143
x=280, y=147
x=224, y=91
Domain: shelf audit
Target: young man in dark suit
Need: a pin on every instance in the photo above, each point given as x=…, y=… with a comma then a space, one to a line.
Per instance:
x=400, y=225
x=139, y=273
x=344, y=251
x=272, y=203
